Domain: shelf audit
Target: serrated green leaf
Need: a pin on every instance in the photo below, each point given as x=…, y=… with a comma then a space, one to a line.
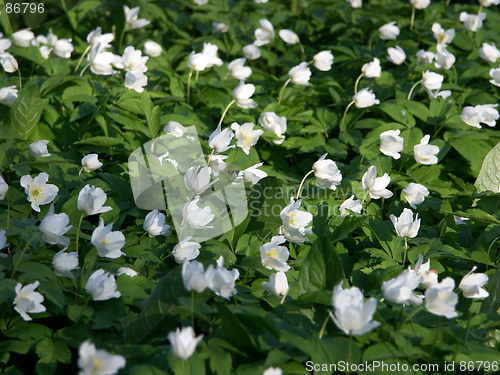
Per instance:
x=26, y=112
x=489, y=175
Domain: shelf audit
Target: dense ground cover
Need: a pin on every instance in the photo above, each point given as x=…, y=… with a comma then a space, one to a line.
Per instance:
x=360, y=138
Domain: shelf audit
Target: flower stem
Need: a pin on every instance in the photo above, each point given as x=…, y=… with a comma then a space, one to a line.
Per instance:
x=412, y=18
x=20, y=79
x=22, y=254
x=357, y=82
x=480, y=9
x=83, y=267
x=78, y=232
x=456, y=75
x=350, y=352
x=225, y=111
x=410, y=315
x=83, y=308
x=343, y=117
x=364, y=197
x=282, y=89
x=302, y=52
x=121, y=37
x=302, y=183
x=189, y=85
x=413, y=88
x=81, y=58
x=85, y=68
x=322, y=330
x=406, y=249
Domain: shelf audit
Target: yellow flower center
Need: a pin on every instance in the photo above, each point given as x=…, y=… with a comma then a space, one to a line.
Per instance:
x=247, y=141
x=345, y=212
x=36, y=192
x=293, y=219
x=273, y=253
x=98, y=363
x=105, y=241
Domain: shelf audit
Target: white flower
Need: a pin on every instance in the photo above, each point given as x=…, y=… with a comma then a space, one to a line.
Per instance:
x=219, y=140
x=65, y=262
x=193, y=276
x=494, y=73
x=444, y=58
x=217, y=164
x=183, y=343
x=23, y=38
x=133, y=61
x=185, y=250
x=126, y=271
x=260, y=1
x=400, y=289
x=245, y=136
x=489, y=52
x=300, y=74
x=295, y=222
x=39, y=149
x=372, y=69
x=102, y=61
x=415, y=194
x=472, y=22
x=350, y=204
x=471, y=285
x=432, y=81
x=396, y=55
x=63, y=48
x=486, y=114
x=197, y=217
x=152, y=49
x=323, y=60
x=376, y=186
x=273, y=370
x=425, y=153
x=242, y=95
x=429, y=277
x=389, y=31
x=210, y=50
x=352, y=315
x=98, y=362
x=420, y=4
x=4, y=187
x=391, y=143
x=252, y=174
x=91, y=200
x=53, y=228
x=198, y=182
x=443, y=37
x=201, y=2
x=198, y=61
x=96, y=37
x=136, y=81
x=131, y=17
x=327, y=173
x=355, y=3
x=404, y=224
x=265, y=34
x=289, y=37
x=277, y=285
x=365, y=98
x=274, y=257
x=102, y=286
x=272, y=122
x=38, y=191
x=108, y=243
x=91, y=162
x=9, y=62
x=251, y=52
x=3, y=243
x=219, y=28
x=222, y=281
x=4, y=43
x=8, y=95
x=154, y=224
x=440, y=299
x=238, y=70
x=488, y=3
x=424, y=57
x=175, y=129
x=28, y=301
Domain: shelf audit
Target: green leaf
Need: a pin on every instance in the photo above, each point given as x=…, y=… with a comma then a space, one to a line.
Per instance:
x=472, y=150
x=237, y=334
x=489, y=175
x=266, y=201
x=321, y=269
x=101, y=141
x=26, y=112
x=47, y=364
x=398, y=113
x=491, y=305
